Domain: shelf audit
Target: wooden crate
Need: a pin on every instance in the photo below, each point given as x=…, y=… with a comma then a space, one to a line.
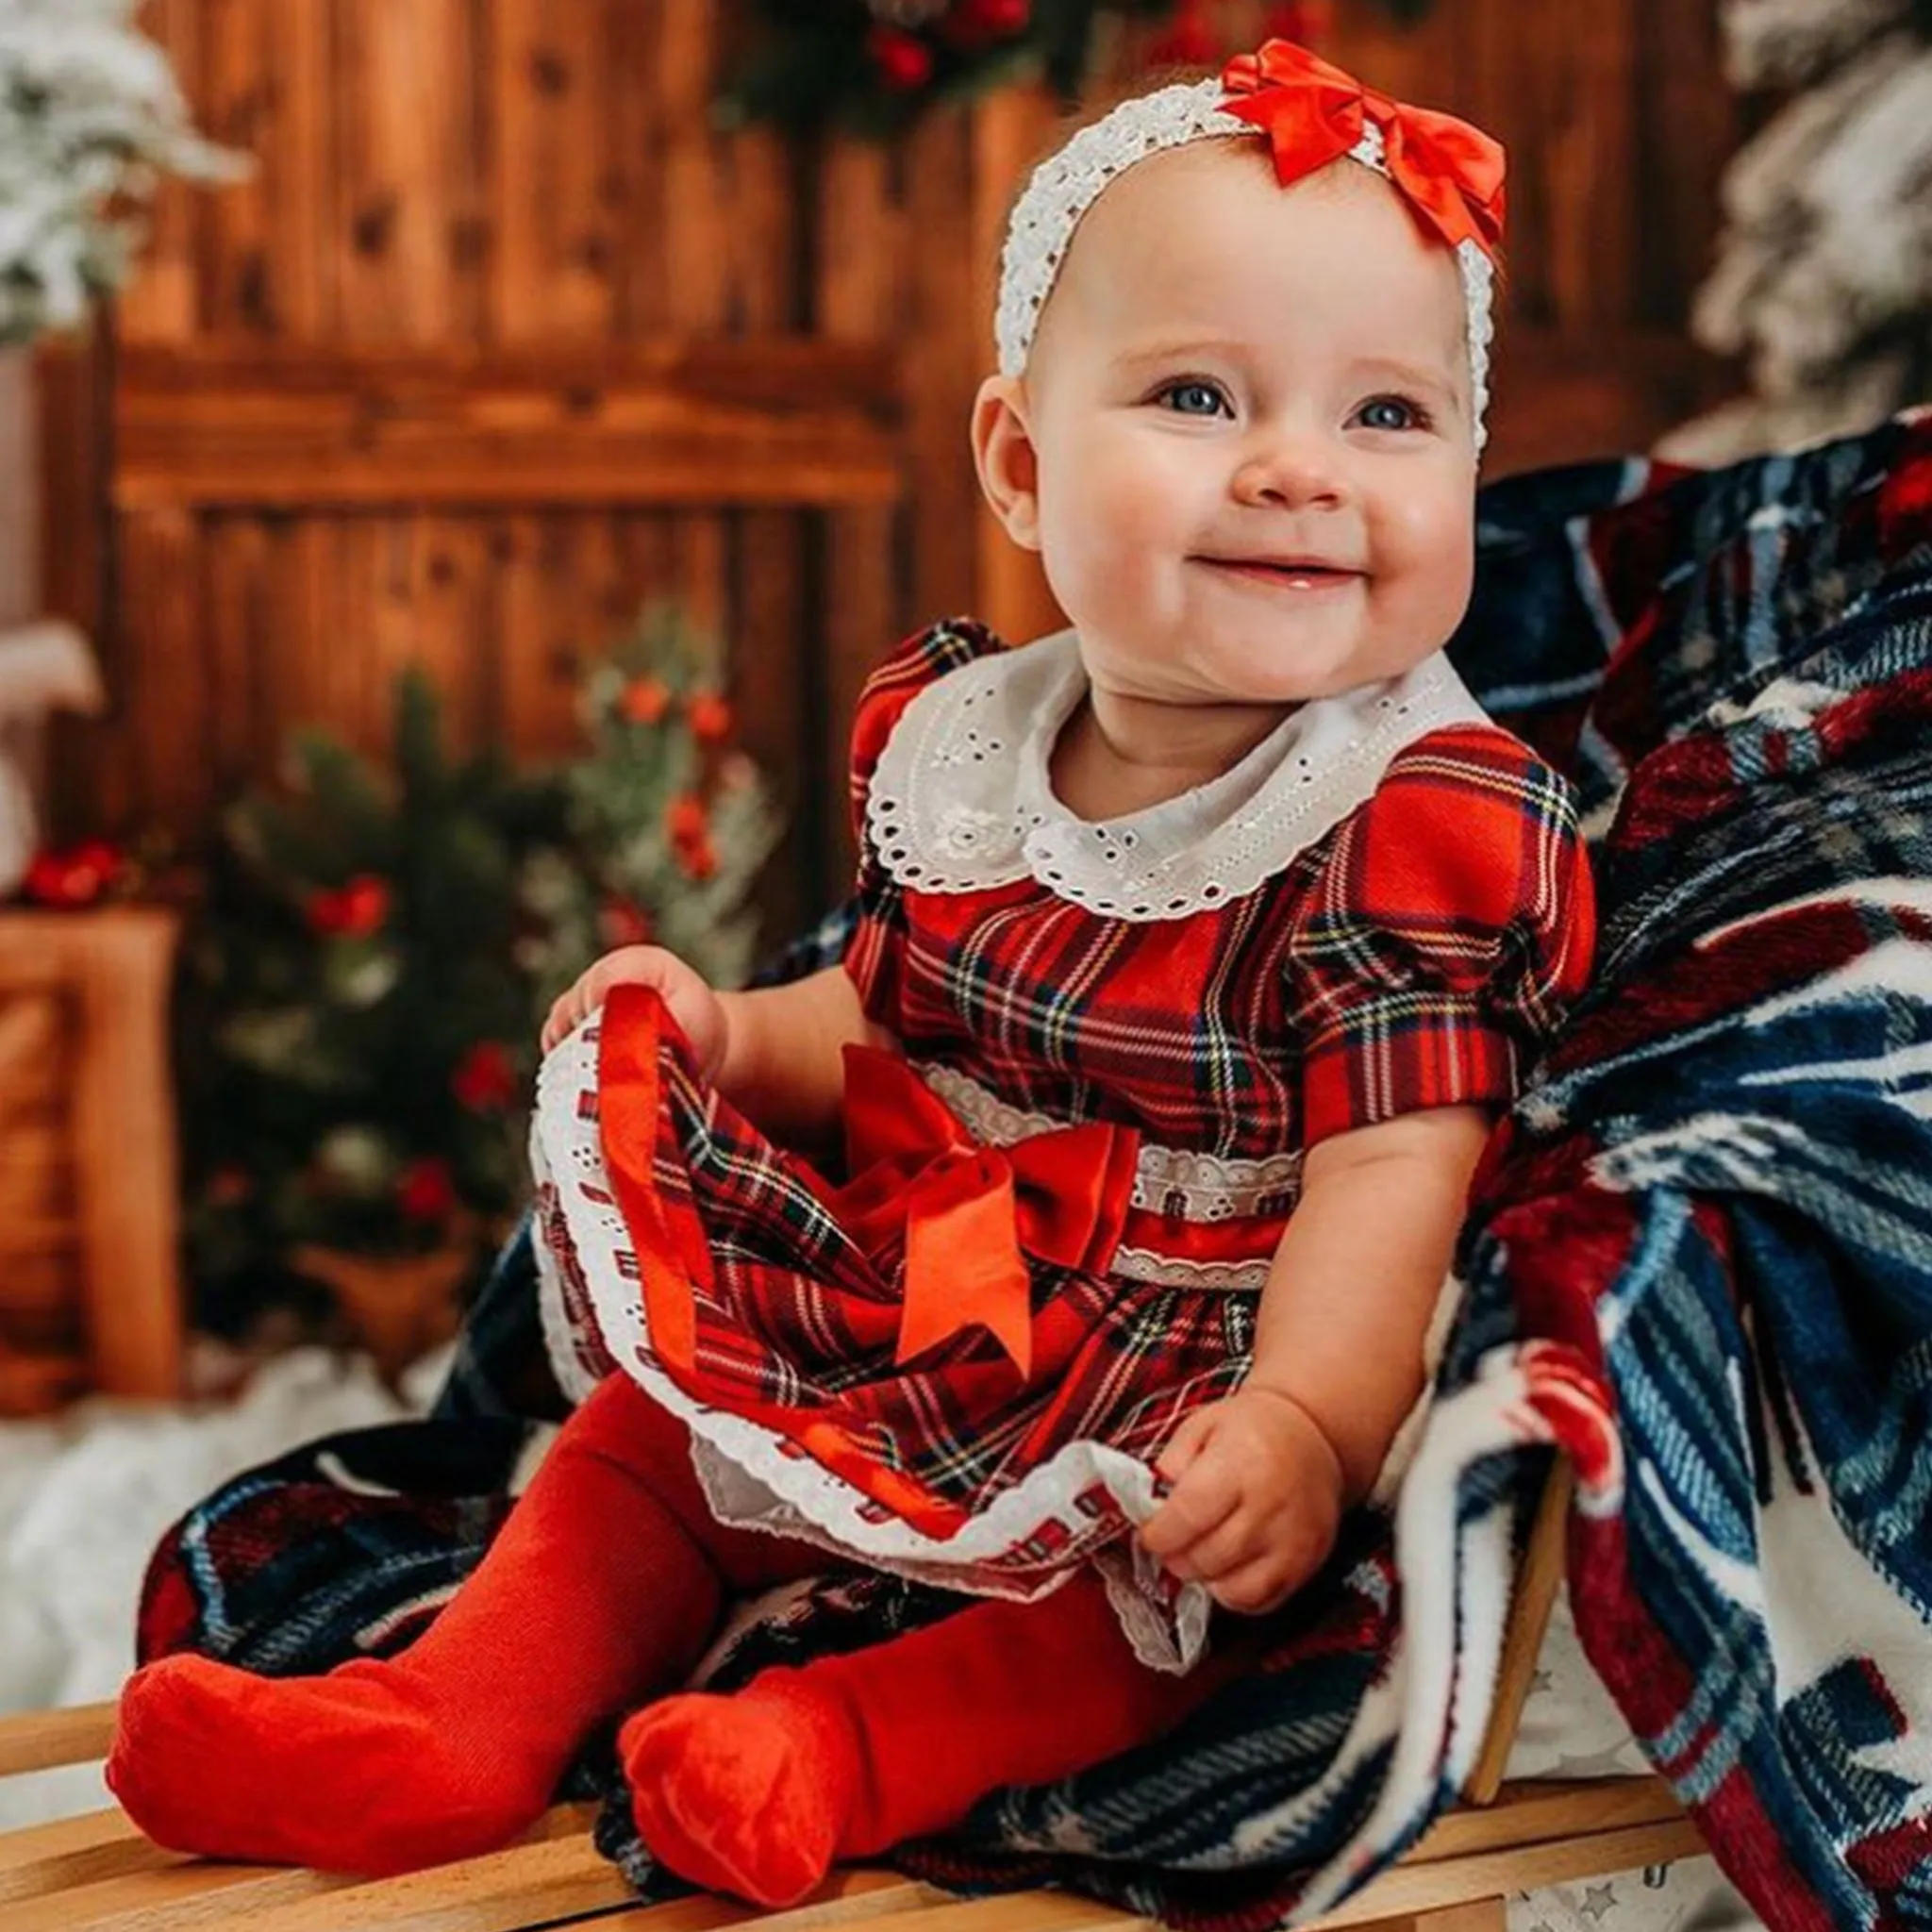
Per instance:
x=90, y=1281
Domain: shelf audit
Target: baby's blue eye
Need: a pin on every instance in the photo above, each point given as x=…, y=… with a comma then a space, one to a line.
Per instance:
x=1391, y=412
x=1194, y=398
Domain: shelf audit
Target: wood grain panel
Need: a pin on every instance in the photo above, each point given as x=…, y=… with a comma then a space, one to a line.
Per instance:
x=780, y=420
x=553, y=83
x=402, y=81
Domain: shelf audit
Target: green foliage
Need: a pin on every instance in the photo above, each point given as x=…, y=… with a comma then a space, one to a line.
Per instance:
x=363, y=997
x=818, y=62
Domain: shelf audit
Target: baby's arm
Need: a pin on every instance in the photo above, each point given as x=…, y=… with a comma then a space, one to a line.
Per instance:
x=775, y=1052
x=1260, y=1479
x=783, y=1065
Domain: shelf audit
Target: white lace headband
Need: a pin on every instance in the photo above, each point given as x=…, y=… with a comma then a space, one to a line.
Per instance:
x=1068, y=183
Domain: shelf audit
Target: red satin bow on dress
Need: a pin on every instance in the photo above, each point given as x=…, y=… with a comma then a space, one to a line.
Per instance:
x=1313, y=113
x=970, y=1214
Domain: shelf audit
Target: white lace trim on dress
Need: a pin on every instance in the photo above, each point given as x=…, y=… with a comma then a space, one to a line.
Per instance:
x=1167, y=1180
x=962, y=799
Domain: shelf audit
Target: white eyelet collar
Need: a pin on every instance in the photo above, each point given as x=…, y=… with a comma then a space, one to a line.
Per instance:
x=962, y=798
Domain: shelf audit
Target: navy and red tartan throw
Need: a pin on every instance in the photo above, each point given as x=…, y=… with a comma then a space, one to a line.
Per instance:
x=1699, y=1258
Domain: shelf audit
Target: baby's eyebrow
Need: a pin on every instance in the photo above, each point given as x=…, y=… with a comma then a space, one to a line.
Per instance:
x=1408, y=375
x=1177, y=347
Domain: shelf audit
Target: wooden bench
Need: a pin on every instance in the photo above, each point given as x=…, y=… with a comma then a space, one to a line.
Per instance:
x=98, y=1873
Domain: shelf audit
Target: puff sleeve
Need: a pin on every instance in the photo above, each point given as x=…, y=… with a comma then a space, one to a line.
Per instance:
x=874, y=953
x=1449, y=929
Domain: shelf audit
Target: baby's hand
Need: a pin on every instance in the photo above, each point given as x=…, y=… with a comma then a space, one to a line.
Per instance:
x=1256, y=1500
x=692, y=1004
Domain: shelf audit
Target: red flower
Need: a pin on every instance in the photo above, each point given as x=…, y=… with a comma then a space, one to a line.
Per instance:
x=77, y=876
x=485, y=1080
x=686, y=818
x=903, y=62
x=356, y=910
x=229, y=1185
x=710, y=717
x=1188, y=40
x=977, y=23
x=621, y=924
x=426, y=1191
x=643, y=701
x=688, y=825
x=1310, y=21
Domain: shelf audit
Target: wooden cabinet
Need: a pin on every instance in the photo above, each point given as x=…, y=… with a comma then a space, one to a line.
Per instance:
x=90, y=1269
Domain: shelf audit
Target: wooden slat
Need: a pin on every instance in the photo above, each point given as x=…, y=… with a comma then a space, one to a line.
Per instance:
x=692, y=210
x=536, y=1884
x=947, y=350
x=1538, y=1577
x=1536, y=1810
x=169, y=1896
x=45, y=1859
x=74, y=378
x=164, y=301
x=774, y=421
x=43, y=1739
x=919, y=1909
x=777, y=689
x=1496, y=1874
x=162, y=697
x=1687, y=129
x=401, y=81
x=1010, y=131
x=241, y=111
x=557, y=265
x=862, y=1896
x=240, y=613
x=861, y=584
x=95, y=1874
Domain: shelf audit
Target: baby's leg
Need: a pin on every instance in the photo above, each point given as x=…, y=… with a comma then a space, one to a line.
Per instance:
x=604, y=1585
x=762, y=1793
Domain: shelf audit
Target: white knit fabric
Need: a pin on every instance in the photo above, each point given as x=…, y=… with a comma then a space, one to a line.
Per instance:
x=1069, y=182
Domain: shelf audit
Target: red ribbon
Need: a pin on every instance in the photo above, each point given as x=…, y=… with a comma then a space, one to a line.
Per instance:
x=970, y=1215
x=1313, y=113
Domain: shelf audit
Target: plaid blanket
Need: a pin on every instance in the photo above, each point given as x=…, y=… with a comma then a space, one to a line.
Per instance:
x=1699, y=1258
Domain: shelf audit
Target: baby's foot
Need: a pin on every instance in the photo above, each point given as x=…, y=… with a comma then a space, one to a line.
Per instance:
x=357, y=1770
x=751, y=1793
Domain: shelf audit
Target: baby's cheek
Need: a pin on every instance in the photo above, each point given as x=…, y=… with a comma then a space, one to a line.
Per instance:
x=1426, y=555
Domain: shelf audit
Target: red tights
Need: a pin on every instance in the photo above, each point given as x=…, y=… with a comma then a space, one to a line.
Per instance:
x=599, y=1595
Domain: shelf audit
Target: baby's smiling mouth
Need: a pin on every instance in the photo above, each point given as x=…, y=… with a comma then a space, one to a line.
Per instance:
x=1290, y=573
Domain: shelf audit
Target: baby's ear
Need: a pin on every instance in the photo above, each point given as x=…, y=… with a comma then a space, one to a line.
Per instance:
x=1004, y=454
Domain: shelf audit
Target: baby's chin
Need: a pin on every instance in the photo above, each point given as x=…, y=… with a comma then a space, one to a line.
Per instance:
x=1283, y=669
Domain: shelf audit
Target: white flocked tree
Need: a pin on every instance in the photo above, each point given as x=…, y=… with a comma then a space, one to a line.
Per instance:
x=1823, y=277
x=91, y=118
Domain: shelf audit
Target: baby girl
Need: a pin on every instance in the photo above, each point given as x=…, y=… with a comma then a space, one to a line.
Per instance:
x=1197, y=948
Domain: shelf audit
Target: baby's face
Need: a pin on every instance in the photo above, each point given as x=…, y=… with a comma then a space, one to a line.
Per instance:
x=1249, y=407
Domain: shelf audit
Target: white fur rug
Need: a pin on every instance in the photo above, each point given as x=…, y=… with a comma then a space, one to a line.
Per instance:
x=85, y=1498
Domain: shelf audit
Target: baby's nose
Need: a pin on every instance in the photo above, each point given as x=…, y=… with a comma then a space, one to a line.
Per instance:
x=1293, y=468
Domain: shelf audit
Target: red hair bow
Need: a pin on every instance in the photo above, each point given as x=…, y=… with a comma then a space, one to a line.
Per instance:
x=1313, y=113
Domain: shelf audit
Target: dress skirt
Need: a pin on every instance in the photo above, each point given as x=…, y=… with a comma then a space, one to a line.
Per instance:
x=928, y=1366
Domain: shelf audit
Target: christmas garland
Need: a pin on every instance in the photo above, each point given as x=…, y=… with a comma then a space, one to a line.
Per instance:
x=874, y=66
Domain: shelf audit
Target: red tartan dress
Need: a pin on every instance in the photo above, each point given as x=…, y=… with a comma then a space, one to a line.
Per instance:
x=960, y=1359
